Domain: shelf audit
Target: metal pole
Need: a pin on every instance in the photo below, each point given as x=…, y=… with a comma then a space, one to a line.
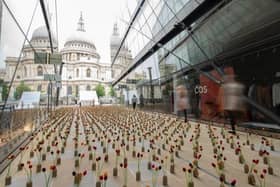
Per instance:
x=51, y=97
x=45, y=14
x=151, y=85
x=48, y=106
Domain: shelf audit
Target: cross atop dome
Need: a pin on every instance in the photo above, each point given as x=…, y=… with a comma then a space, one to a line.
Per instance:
x=81, y=24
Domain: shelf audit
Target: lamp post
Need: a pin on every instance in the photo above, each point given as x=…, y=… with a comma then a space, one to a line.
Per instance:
x=151, y=85
x=68, y=89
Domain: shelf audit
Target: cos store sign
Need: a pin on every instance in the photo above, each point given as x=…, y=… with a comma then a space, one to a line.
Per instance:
x=200, y=89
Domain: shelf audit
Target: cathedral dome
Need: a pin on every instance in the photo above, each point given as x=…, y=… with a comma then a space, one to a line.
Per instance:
x=80, y=37
x=41, y=33
x=80, y=42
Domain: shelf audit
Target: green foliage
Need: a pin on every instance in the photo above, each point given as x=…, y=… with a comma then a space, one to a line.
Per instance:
x=100, y=90
x=112, y=92
x=19, y=89
x=167, y=89
x=4, y=89
x=4, y=92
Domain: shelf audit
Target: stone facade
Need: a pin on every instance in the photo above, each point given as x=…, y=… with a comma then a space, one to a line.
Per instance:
x=82, y=69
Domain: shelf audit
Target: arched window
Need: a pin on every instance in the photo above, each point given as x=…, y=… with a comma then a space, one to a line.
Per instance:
x=69, y=90
x=77, y=90
x=88, y=88
x=39, y=88
x=77, y=73
x=88, y=72
x=25, y=71
x=39, y=71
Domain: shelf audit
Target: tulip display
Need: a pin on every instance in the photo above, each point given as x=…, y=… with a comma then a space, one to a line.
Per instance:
x=139, y=148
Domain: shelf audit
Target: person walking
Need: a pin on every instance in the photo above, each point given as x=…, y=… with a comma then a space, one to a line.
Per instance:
x=233, y=104
x=134, y=101
x=182, y=101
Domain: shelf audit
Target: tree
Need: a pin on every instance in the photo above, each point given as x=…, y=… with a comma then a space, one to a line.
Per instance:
x=4, y=92
x=4, y=89
x=21, y=88
x=100, y=90
x=112, y=92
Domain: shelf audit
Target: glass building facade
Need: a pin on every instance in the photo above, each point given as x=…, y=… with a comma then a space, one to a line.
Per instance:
x=238, y=38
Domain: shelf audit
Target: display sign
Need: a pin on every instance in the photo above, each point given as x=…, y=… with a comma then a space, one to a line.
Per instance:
x=47, y=58
x=122, y=86
x=55, y=58
x=131, y=81
x=41, y=58
x=52, y=77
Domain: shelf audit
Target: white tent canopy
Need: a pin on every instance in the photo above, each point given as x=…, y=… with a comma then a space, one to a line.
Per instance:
x=88, y=98
x=29, y=100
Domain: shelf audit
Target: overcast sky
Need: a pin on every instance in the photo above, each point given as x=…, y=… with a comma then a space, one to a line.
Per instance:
x=99, y=16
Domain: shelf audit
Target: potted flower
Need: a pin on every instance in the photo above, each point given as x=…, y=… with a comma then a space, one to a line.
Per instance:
x=261, y=150
x=265, y=155
x=54, y=171
x=149, y=159
x=57, y=157
x=99, y=166
x=164, y=169
x=261, y=178
x=247, y=139
x=115, y=169
x=90, y=155
x=31, y=154
x=8, y=178
x=47, y=177
x=106, y=158
x=220, y=173
x=49, y=143
x=138, y=173
x=133, y=148
x=155, y=173
x=240, y=155
x=223, y=132
x=272, y=146
x=28, y=172
x=39, y=159
x=103, y=178
x=22, y=151
x=195, y=163
x=232, y=142
x=79, y=160
x=93, y=167
x=172, y=163
x=251, y=177
x=124, y=168
x=124, y=152
x=188, y=177
x=246, y=166
x=78, y=177
x=270, y=169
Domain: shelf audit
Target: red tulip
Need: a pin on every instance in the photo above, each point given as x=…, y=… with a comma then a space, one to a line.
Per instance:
x=101, y=177
x=85, y=173
x=233, y=182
